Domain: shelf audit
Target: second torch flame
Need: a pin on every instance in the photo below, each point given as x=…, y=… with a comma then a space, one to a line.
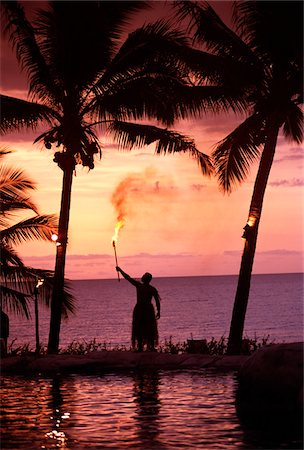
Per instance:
x=120, y=224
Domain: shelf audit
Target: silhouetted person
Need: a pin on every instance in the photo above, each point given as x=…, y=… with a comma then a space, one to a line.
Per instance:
x=144, y=326
x=4, y=333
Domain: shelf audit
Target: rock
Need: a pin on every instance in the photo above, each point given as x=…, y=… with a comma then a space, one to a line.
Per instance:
x=270, y=384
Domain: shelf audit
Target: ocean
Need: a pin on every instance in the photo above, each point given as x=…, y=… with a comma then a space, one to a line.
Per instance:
x=151, y=410
x=191, y=307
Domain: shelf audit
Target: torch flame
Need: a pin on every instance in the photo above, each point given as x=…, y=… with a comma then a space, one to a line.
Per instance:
x=120, y=224
x=40, y=282
x=251, y=221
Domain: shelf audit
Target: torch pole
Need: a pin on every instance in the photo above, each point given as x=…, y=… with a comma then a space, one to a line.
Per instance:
x=114, y=246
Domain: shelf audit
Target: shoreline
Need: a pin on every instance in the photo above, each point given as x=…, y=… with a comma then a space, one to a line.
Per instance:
x=111, y=360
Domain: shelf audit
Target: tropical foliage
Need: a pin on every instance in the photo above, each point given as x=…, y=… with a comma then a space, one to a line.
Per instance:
x=85, y=79
x=17, y=281
x=264, y=55
x=86, y=82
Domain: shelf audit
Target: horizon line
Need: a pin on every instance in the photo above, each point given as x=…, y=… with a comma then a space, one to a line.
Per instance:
x=190, y=276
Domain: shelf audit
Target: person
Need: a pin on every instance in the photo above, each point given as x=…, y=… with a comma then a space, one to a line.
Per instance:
x=144, y=325
x=4, y=333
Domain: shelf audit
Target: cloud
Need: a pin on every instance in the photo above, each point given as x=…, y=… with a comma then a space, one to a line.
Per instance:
x=198, y=187
x=96, y=266
x=47, y=261
x=276, y=252
x=295, y=182
x=294, y=154
x=163, y=255
x=90, y=256
x=280, y=252
x=231, y=253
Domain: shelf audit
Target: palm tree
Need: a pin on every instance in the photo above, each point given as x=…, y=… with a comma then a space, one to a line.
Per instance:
x=17, y=280
x=84, y=78
x=265, y=55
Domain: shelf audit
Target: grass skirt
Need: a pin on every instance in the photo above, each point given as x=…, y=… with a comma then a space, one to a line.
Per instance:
x=144, y=326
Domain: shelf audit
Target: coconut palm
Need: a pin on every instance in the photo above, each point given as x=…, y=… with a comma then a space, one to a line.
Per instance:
x=17, y=281
x=265, y=55
x=83, y=79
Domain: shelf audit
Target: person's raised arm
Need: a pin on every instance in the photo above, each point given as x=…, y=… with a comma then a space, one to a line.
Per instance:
x=127, y=277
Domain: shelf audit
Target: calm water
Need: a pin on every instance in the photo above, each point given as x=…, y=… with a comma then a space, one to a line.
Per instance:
x=162, y=410
x=197, y=306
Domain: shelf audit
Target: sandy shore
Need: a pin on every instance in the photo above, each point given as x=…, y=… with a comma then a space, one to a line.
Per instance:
x=101, y=361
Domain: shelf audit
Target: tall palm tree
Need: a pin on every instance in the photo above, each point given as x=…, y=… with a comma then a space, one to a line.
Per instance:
x=84, y=78
x=265, y=55
x=17, y=281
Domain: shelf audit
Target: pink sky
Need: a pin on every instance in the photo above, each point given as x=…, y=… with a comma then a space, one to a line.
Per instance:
x=178, y=222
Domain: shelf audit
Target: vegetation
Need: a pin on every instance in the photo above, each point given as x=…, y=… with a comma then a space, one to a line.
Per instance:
x=212, y=347
x=17, y=281
x=263, y=58
x=83, y=80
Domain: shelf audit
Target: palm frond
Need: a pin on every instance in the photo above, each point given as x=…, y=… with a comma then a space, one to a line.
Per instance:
x=234, y=154
x=18, y=284
x=37, y=227
x=45, y=290
x=154, y=43
x=196, y=100
x=23, y=37
x=129, y=135
x=68, y=306
x=274, y=31
x=14, y=185
x=208, y=29
x=4, y=151
x=81, y=31
x=9, y=257
x=15, y=301
x=168, y=48
x=166, y=100
x=13, y=182
x=293, y=125
x=213, y=69
x=9, y=205
x=17, y=114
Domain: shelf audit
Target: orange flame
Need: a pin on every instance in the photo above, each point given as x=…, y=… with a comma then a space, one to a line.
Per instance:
x=120, y=224
x=251, y=221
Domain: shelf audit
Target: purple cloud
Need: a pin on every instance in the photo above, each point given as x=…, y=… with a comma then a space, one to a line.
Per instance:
x=295, y=182
x=294, y=154
x=276, y=252
x=197, y=187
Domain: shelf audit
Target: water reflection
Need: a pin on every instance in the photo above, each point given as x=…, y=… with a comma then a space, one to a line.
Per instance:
x=57, y=436
x=144, y=410
x=146, y=398
x=33, y=413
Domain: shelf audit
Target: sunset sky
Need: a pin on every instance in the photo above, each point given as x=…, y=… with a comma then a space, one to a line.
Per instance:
x=177, y=221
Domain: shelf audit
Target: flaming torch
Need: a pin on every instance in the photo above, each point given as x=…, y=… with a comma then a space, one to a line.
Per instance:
x=118, y=226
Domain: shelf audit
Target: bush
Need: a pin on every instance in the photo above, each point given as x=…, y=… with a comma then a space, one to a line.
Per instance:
x=202, y=346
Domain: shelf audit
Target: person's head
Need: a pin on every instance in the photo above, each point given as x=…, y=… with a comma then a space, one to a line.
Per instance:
x=146, y=278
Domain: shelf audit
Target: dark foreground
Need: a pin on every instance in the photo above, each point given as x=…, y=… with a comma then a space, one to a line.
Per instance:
x=121, y=399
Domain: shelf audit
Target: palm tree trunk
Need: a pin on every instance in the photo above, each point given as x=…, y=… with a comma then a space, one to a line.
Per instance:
x=57, y=295
x=251, y=233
